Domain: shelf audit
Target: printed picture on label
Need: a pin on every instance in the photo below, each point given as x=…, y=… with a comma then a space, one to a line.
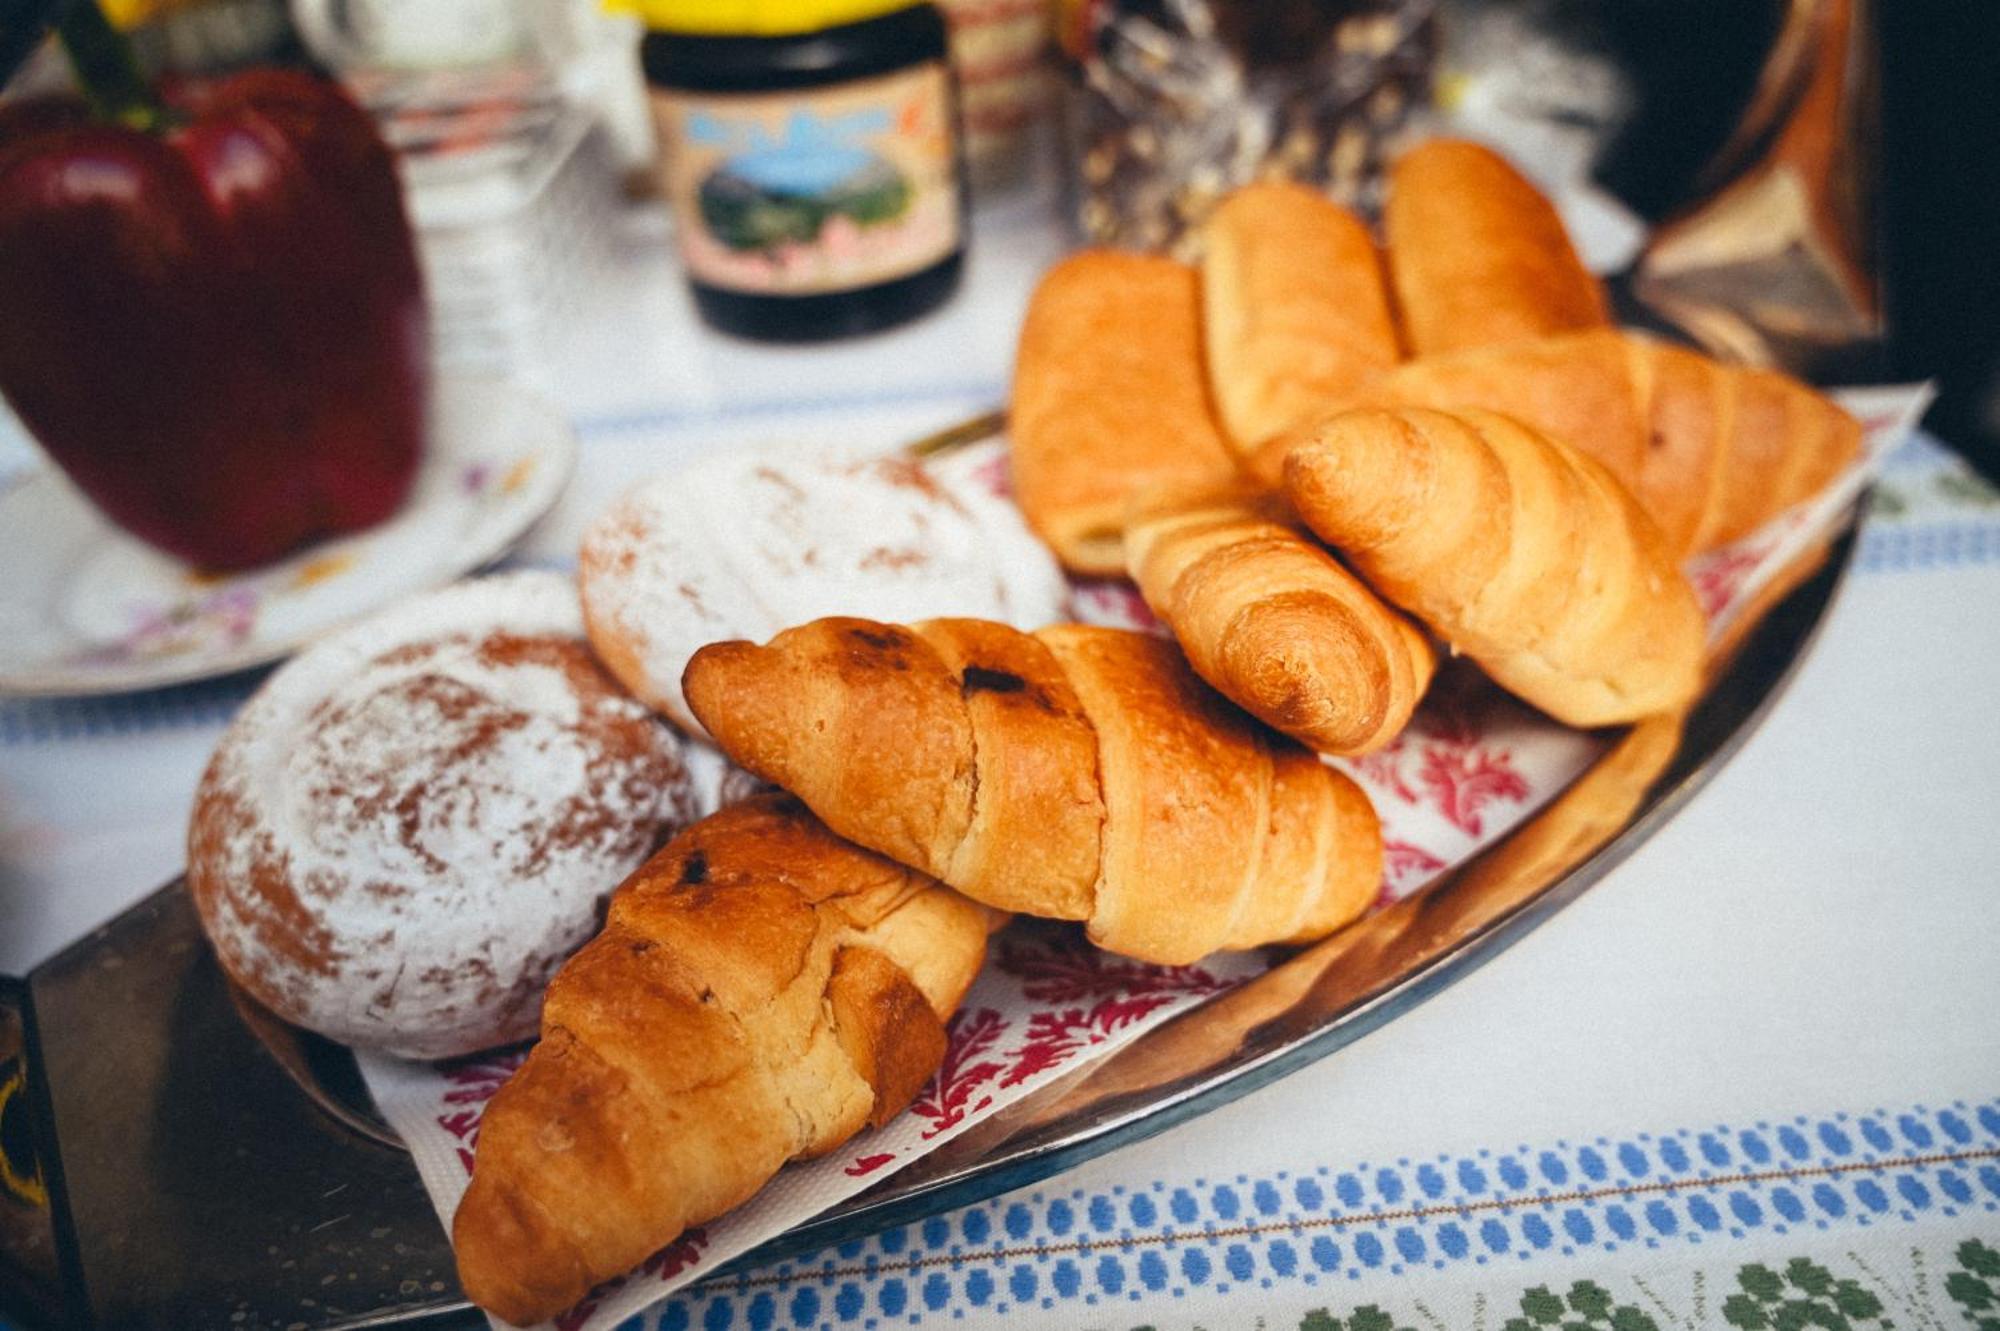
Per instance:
x=786, y=190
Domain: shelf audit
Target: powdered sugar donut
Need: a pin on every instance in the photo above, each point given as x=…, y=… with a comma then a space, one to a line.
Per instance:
x=412, y=824
x=744, y=544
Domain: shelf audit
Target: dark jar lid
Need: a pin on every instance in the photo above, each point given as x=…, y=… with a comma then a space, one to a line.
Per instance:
x=872, y=38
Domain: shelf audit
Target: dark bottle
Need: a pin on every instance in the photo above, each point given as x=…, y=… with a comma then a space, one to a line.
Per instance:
x=812, y=158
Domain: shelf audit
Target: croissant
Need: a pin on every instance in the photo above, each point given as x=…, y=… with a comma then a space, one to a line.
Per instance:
x=1710, y=451
x=1517, y=550
x=1477, y=256
x=1076, y=773
x=1294, y=308
x=1275, y=623
x=1109, y=401
x=761, y=992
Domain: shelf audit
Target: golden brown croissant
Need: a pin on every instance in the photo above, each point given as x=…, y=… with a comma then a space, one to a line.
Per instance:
x=1274, y=622
x=1109, y=400
x=1477, y=256
x=1710, y=451
x=1518, y=551
x=761, y=991
x=1076, y=773
x=1294, y=309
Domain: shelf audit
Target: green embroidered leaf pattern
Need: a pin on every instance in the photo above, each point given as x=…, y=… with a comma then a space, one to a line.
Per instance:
x=1542, y=1307
x=1887, y=502
x=1805, y=1296
x=1974, y=1286
x=1760, y=1282
x=1590, y=1300
x=1367, y=1317
x=1744, y=1311
x=1827, y=1302
x=1809, y=1276
x=1979, y=1259
x=1854, y=1301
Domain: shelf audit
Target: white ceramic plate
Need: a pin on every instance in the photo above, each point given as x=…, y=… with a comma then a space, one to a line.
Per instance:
x=85, y=608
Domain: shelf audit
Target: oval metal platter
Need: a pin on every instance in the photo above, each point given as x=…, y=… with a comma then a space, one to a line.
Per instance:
x=1331, y=994
x=135, y=1129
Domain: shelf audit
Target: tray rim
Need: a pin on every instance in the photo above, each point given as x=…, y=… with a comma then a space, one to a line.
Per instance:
x=1797, y=615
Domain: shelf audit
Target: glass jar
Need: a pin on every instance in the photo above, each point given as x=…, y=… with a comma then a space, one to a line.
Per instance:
x=812, y=159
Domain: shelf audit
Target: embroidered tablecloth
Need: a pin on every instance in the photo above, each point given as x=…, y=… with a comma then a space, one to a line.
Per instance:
x=1752, y=1079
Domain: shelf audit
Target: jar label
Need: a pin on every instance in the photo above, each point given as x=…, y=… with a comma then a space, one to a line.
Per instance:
x=813, y=189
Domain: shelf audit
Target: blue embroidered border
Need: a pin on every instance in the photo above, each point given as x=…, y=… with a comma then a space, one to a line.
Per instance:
x=1913, y=548
x=1041, y=1251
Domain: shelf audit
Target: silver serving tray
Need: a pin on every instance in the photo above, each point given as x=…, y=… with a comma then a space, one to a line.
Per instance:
x=210, y=1166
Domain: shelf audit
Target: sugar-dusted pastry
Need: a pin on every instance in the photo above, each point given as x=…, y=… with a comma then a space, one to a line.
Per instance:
x=412, y=823
x=1294, y=309
x=1110, y=401
x=1271, y=619
x=1710, y=451
x=743, y=543
x=761, y=992
x=1076, y=773
x=1518, y=551
x=1477, y=256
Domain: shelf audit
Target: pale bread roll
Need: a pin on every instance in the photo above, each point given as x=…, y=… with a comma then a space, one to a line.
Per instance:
x=1110, y=401
x=743, y=543
x=1477, y=256
x=1294, y=307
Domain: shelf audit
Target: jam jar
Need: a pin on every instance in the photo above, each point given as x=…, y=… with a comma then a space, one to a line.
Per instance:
x=812, y=158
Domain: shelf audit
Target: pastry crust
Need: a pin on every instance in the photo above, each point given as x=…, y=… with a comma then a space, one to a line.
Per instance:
x=1110, y=401
x=1516, y=550
x=745, y=542
x=1477, y=256
x=1710, y=451
x=1294, y=307
x=1274, y=622
x=761, y=992
x=1128, y=794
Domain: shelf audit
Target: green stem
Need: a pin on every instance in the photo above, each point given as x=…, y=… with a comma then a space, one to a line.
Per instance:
x=104, y=66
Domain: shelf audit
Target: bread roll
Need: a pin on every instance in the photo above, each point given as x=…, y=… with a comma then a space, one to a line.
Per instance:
x=412, y=823
x=1274, y=622
x=1131, y=796
x=743, y=543
x=1294, y=307
x=1477, y=257
x=761, y=992
x=1515, y=549
x=1110, y=401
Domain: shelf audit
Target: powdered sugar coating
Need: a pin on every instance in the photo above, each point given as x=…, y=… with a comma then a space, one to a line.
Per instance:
x=744, y=544
x=412, y=824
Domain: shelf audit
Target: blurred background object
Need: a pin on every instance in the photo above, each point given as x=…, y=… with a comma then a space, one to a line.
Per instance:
x=999, y=49
x=1778, y=263
x=1811, y=180
x=1940, y=211
x=1171, y=103
x=215, y=320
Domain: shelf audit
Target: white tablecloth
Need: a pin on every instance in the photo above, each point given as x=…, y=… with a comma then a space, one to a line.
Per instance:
x=1772, y=1035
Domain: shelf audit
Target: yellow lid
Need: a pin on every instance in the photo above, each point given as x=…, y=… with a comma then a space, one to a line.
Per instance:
x=755, y=18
